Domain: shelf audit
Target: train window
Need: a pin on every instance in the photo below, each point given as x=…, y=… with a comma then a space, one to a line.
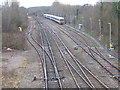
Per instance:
x=61, y=19
x=57, y=19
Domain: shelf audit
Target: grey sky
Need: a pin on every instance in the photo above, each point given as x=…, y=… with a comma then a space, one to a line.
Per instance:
x=32, y=3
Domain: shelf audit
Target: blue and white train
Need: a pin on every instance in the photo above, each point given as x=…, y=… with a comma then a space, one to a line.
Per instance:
x=57, y=19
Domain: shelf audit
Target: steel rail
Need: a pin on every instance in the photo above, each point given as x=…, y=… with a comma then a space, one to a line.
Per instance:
x=45, y=65
x=94, y=76
x=54, y=63
x=79, y=61
x=30, y=34
x=98, y=52
x=84, y=67
x=53, y=60
x=90, y=85
x=45, y=52
x=92, y=56
x=69, y=64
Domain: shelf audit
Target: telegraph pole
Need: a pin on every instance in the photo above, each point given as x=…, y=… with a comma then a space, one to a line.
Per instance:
x=100, y=29
x=82, y=20
x=91, y=24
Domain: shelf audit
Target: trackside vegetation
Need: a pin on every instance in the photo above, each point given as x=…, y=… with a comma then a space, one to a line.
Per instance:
x=91, y=16
x=13, y=17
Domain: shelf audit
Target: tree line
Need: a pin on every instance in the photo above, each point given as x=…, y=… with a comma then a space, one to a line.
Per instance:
x=13, y=17
x=91, y=16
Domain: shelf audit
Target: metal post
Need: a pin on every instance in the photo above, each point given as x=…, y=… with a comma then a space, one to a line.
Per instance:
x=91, y=24
x=110, y=35
x=100, y=26
x=82, y=20
x=100, y=29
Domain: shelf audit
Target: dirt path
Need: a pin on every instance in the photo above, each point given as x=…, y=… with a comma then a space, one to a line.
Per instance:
x=19, y=68
x=11, y=62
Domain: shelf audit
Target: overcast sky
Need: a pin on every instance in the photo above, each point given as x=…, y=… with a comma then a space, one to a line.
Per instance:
x=32, y=3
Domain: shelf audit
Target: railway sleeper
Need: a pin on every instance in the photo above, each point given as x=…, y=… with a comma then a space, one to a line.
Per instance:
x=52, y=71
x=54, y=78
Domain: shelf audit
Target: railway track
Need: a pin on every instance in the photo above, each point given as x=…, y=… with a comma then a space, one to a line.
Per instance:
x=51, y=70
x=51, y=76
x=80, y=74
x=93, y=53
x=70, y=59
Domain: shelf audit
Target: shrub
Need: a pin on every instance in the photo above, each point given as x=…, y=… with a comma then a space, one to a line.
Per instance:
x=13, y=40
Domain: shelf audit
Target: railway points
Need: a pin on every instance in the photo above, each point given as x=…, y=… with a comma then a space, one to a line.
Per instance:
x=60, y=46
x=58, y=55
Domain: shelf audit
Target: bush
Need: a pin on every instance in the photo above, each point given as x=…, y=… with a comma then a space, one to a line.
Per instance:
x=13, y=40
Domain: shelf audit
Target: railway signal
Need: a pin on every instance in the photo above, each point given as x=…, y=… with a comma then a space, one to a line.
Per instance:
x=111, y=46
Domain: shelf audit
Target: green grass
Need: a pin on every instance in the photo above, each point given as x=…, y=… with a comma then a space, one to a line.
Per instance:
x=104, y=40
x=91, y=34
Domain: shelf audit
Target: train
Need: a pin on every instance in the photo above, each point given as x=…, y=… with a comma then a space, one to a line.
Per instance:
x=57, y=19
